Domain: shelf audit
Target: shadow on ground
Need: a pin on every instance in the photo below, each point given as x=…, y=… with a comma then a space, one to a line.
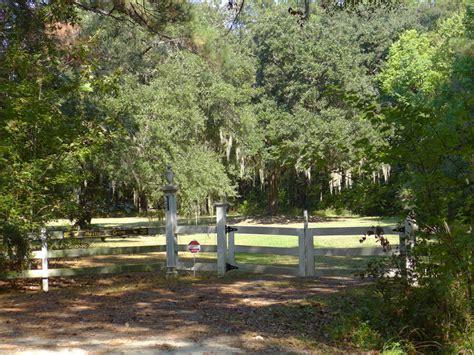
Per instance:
x=147, y=313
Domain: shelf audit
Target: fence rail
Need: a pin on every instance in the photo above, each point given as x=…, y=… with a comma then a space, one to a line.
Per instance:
x=267, y=230
x=195, y=229
x=225, y=248
x=77, y=253
x=65, y=272
x=328, y=231
x=305, y=252
x=106, y=233
x=353, y=252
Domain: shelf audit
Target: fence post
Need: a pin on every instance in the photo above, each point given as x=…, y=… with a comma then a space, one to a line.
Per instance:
x=403, y=255
x=301, y=253
x=409, y=242
x=231, y=255
x=171, y=221
x=44, y=259
x=309, y=247
x=221, y=209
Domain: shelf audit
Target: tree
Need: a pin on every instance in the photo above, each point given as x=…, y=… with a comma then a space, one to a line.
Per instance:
x=309, y=80
x=428, y=102
x=174, y=102
x=52, y=119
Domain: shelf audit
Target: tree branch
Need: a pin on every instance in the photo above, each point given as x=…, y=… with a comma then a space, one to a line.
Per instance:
x=135, y=19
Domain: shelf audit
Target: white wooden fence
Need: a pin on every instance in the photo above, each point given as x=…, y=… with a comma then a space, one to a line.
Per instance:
x=305, y=251
x=226, y=248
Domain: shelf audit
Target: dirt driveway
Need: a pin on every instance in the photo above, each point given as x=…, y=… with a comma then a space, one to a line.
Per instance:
x=144, y=313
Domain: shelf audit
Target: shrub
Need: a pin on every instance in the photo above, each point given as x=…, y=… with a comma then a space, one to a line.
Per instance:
x=431, y=307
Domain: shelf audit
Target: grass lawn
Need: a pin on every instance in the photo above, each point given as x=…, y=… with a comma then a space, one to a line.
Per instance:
x=259, y=240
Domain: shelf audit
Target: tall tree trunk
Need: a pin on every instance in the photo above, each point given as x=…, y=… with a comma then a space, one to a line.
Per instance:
x=273, y=193
x=143, y=203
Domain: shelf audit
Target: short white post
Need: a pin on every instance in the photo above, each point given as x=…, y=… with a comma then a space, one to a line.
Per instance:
x=44, y=259
x=231, y=255
x=309, y=247
x=221, y=210
x=171, y=221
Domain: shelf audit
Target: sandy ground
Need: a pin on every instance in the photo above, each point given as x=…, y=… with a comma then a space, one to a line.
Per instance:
x=145, y=313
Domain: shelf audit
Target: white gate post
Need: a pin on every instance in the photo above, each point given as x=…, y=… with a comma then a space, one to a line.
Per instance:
x=171, y=223
x=44, y=259
x=309, y=247
x=221, y=210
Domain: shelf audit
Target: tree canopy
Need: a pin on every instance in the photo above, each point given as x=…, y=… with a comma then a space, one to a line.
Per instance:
x=276, y=106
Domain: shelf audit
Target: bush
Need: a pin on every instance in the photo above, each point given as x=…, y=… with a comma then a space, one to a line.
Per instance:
x=431, y=307
x=16, y=247
x=365, y=337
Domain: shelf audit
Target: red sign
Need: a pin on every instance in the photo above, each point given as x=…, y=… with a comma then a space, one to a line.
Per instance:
x=194, y=246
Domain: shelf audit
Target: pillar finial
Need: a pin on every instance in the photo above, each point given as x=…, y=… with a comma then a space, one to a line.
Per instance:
x=169, y=175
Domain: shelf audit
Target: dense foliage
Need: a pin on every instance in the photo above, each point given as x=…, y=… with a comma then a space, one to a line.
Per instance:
x=363, y=106
x=428, y=101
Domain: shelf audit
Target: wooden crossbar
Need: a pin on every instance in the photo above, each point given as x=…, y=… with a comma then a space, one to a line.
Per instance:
x=106, y=233
x=352, y=252
x=356, y=231
x=112, y=269
x=267, y=230
x=195, y=229
x=76, y=253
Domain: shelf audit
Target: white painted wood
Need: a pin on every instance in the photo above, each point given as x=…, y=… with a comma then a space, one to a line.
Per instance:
x=195, y=229
x=355, y=231
x=301, y=253
x=309, y=253
x=106, y=233
x=248, y=249
x=410, y=229
x=221, y=211
x=410, y=240
x=113, y=269
x=171, y=221
x=352, y=252
x=231, y=249
x=44, y=260
x=266, y=230
x=76, y=253
x=204, y=248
